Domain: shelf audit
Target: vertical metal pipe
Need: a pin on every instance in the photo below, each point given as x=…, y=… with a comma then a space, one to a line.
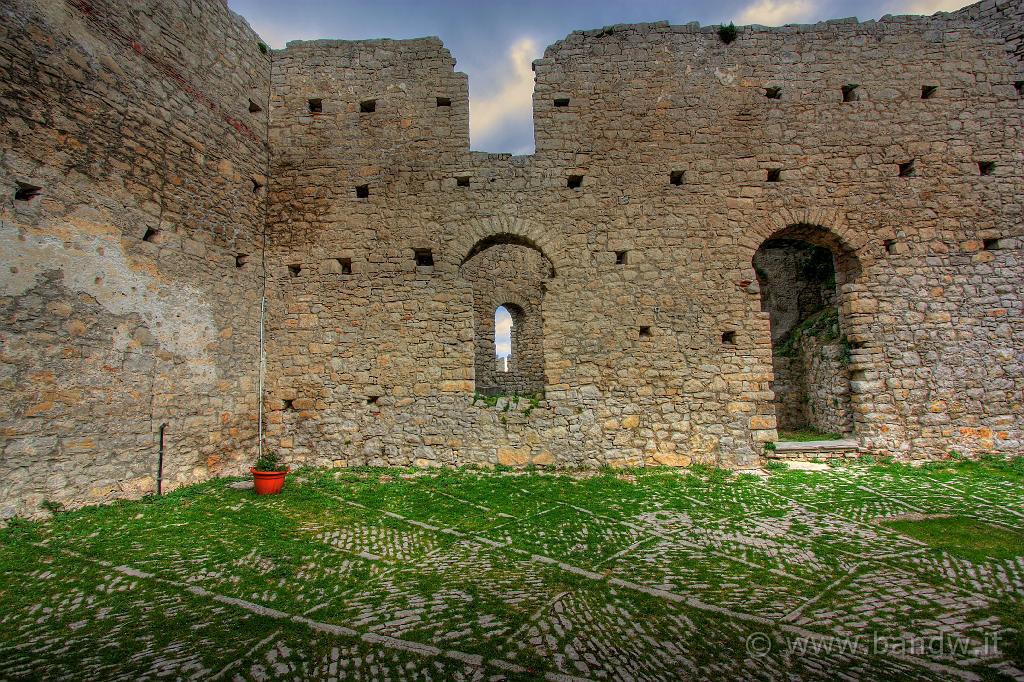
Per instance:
x=160, y=463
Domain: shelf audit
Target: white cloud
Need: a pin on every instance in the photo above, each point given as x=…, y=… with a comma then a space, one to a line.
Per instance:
x=928, y=6
x=502, y=333
x=777, y=12
x=513, y=100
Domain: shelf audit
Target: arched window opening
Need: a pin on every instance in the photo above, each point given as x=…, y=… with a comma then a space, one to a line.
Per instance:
x=799, y=277
x=502, y=337
x=508, y=282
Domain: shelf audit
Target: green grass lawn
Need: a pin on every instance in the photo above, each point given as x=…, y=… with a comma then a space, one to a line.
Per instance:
x=868, y=571
x=806, y=435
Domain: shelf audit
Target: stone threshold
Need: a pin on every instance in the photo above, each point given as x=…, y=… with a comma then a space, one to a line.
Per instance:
x=823, y=449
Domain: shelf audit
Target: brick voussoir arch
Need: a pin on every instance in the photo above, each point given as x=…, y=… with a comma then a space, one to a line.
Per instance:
x=506, y=230
x=841, y=238
x=503, y=297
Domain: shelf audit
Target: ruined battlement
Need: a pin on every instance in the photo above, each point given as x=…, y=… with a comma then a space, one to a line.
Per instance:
x=811, y=226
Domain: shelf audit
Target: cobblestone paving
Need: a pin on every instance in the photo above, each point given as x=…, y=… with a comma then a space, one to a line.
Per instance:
x=471, y=575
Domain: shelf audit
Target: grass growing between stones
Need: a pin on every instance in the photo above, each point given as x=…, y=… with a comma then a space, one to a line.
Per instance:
x=807, y=435
x=963, y=537
x=469, y=575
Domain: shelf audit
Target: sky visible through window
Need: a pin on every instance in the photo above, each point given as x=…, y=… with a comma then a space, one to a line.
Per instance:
x=502, y=333
x=496, y=41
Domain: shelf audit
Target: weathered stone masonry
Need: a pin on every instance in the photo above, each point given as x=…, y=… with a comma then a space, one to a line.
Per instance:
x=165, y=144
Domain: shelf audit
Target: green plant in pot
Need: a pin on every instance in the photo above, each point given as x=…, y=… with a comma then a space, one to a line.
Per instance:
x=268, y=473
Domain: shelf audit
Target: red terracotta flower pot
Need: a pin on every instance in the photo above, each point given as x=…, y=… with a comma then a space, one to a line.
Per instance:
x=268, y=482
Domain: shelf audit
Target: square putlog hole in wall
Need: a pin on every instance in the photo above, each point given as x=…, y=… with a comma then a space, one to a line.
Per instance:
x=645, y=331
x=345, y=266
x=774, y=175
x=928, y=91
x=574, y=182
x=676, y=177
x=316, y=106
x=288, y=405
x=992, y=244
x=851, y=92
x=153, y=236
x=1019, y=85
x=294, y=270
x=256, y=186
x=621, y=257
x=362, y=191
x=26, y=192
x=908, y=169
x=890, y=246
x=986, y=167
x=729, y=338
x=444, y=101
x=241, y=259
x=773, y=93
x=424, y=258
x=562, y=102
x=254, y=108
x=368, y=106
x=462, y=181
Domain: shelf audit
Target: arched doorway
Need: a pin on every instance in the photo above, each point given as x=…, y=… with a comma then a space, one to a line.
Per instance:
x=801, y=270
x=508, y=283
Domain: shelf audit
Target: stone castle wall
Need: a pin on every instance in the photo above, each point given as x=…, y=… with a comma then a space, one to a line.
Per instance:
x=122, y=307
x=662, y=165
x=635, y=366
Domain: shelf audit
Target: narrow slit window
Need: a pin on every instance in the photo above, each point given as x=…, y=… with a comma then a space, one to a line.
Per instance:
x=241, y=259
x=676, y=177
x=444, y=101
x=621, y=257
x=316, y=106
x=462, y=181
x=26, y=192
x=729, y=338
x=773, y=93
x=424, y=258
x=928, y=91
x=362, y=191
x=294, y=269
x=254, y=108
x=345, y=266
x=574, y=182
x=986, y=167
x=851, y=92
x=774, y=175
x=152, y=236
x=908, y=169
x=645, y=332
x=562, y=102
x=368, y=106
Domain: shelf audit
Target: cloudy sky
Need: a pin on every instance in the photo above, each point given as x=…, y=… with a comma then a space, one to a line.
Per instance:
x=494, y=41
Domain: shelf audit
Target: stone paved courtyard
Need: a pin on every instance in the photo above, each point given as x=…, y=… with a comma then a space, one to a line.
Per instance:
x=472, y=575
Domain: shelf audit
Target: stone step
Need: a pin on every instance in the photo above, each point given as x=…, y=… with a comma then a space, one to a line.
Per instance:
x=822, y=449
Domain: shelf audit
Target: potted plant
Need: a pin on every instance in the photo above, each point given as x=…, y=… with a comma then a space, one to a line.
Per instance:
x=268, y=473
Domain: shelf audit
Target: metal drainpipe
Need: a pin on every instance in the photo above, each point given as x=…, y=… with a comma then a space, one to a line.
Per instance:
x=160, y=464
